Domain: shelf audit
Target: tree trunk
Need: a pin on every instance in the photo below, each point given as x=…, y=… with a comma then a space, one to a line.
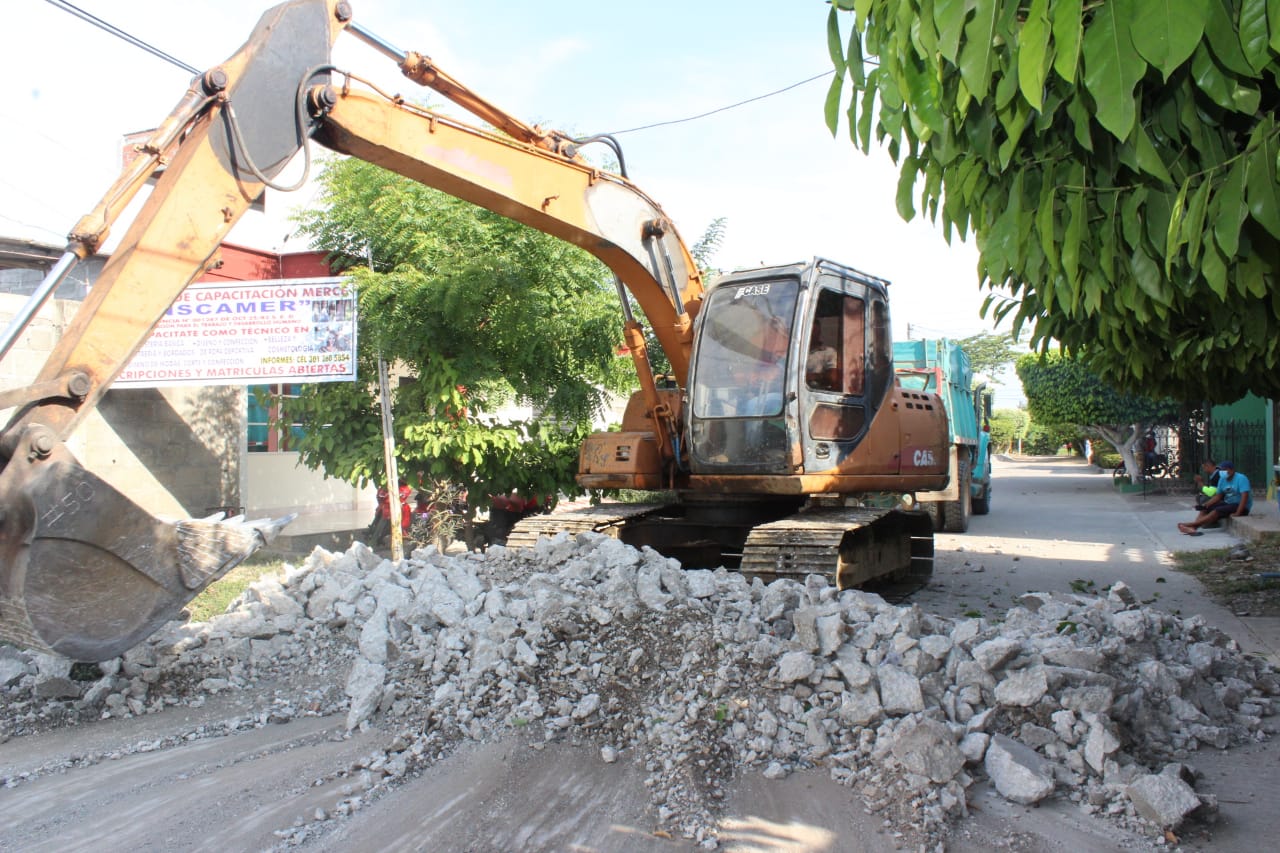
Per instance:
x=1125, y=445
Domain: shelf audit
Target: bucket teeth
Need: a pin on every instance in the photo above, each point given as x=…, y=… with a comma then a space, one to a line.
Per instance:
x=210, y=547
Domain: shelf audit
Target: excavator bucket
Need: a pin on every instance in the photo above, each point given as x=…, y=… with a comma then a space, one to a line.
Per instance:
x=88, y=573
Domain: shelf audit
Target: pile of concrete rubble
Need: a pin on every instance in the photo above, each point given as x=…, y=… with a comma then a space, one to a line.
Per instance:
x=698, y=675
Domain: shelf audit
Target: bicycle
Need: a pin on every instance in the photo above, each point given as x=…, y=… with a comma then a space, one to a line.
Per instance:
x=1157, y=468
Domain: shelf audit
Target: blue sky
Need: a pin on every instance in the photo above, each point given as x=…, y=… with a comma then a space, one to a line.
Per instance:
x=787, y=189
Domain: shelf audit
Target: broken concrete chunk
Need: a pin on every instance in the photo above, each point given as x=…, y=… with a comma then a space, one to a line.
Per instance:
x=1017, y=771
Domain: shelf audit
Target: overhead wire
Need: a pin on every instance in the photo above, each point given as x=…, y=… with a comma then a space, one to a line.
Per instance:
x=827, y=73
x=72, y=9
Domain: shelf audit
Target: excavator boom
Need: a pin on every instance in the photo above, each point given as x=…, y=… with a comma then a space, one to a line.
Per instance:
x=84, y=571
x=746, y=434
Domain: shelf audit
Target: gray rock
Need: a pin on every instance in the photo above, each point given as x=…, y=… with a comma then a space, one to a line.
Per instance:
x=805, y=622
x=56, y=688
x=1023, y=688
x=995, y=653
x=1018, y=772
x=928, y=749
x=375, y=642
x=852, y=668
x=974, y=746
x=586, y=707
x=775, y=770
x=795, y=666
x=1100, y=744
x=1094, y=699
x=10, y=671
x=649, y=588
x=56, y=666
x=1163, y=799
x=860, y=707
x=830, y=630
x=702, y=583
x=1130, y=624
x=1121, y=594
x=899, y=691
x=365, y=684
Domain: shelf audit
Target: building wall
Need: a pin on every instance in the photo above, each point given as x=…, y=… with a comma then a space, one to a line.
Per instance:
x=181, y=451
x=277, y=484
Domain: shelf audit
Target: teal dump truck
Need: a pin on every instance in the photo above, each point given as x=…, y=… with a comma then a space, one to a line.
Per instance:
x=942, y=366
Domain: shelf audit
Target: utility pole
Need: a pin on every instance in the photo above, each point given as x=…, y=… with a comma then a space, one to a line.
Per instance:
x=389, y=458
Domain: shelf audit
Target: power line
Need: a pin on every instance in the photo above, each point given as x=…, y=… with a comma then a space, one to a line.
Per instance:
x=155, y=51
x=121, y=34
x=827, y=73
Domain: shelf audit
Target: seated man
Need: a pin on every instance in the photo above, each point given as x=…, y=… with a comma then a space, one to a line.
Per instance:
x=1206, y=483
x=1233, y=499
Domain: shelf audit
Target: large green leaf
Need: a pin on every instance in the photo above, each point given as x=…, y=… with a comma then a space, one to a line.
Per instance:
x=1174, y=238
x=1074, y=234
x=1068, y=27
x=1148, y=158
x=1263, y=193
x=1046, y=224
x=1273, y=23
x=1211, y=79
x=1112, y=68
x=948, y=20
x=853, y=60
x=1214, y=268
x=976, y=50
x=923, y=94
x=831, y=109
x=1220, y=29
x=1033, y=53
x=1149, y=278
x=835, y=45
x=1228, y=209
x=1165, y=32
x=1254, y=35
x=1193, y=223
x=906, y=189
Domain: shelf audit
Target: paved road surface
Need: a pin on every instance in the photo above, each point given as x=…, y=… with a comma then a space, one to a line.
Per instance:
x=1053, y=525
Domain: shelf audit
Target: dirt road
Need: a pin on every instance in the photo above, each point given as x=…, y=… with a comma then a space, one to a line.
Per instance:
x=224, y=775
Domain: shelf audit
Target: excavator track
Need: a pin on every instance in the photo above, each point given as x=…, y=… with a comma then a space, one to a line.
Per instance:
x=608, y=519
x=857, y=545
x=850, y=545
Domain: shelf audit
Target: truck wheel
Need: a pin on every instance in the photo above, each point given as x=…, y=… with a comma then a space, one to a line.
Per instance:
x=934, y=510
x=982, y=505
x=955, y=514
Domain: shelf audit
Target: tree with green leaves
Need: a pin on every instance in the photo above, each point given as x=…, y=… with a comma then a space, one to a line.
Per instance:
x=477, y=311
x=990, y=353
x=1115, y=162
x=1008, y=428
x=1064, y=390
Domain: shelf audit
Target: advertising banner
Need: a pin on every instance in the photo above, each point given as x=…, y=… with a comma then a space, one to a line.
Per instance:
x=251, y=333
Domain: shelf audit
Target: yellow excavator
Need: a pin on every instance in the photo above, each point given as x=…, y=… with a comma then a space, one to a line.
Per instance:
x=782, y=435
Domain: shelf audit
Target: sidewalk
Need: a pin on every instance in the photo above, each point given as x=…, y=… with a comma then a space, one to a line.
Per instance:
x=1160, y=515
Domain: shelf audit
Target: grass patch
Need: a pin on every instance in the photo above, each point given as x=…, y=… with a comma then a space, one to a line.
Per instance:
x=226, y=589
x=1234, y=583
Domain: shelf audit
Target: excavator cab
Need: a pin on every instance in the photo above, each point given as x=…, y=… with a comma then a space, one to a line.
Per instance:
x=790, y=367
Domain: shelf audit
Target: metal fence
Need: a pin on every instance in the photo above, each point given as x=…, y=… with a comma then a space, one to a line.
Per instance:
x=1244, y=443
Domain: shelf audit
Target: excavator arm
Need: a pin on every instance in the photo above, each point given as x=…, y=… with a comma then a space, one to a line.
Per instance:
x=87, y=573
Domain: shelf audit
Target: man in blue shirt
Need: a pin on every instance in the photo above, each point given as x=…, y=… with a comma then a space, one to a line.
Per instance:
x=1233, y=498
